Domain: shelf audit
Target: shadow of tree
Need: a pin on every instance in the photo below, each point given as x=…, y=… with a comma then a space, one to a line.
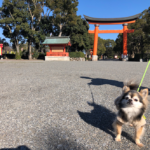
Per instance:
x=100, y=81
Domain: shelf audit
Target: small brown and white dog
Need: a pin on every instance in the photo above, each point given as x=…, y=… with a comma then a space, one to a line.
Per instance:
x=131, y=107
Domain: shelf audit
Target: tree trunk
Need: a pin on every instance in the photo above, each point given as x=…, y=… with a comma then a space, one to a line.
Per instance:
x=17, y=47
x=29, y=50
x=60, y=32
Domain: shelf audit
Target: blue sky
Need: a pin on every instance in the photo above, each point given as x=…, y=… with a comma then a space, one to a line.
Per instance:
x=107, y=9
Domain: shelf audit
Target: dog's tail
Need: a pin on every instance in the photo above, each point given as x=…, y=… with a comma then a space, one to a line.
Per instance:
x=132, y=84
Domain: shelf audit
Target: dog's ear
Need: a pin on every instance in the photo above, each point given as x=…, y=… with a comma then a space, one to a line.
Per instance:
x=144, y=93
x=125, y=89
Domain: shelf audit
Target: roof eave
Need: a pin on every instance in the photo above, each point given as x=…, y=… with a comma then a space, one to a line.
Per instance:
x=111, y=20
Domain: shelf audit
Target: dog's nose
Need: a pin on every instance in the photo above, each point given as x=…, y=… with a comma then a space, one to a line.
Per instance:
x=130, y=100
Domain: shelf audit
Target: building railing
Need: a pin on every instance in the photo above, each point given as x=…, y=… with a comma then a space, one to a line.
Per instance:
x=57, y=54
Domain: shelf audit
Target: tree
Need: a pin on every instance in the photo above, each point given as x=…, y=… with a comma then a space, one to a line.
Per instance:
x=64, y=13
x=12, y=17
x=109, y=45
x=30, y=29
x=118, y=48
x=138, y=40
x=79, y=35
x=101, y=46
x=146, y=29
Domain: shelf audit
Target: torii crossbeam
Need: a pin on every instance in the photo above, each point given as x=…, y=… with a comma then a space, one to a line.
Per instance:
x=111, y=21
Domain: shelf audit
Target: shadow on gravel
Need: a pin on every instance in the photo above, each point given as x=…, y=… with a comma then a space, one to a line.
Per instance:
x=18, y=148
x=102, y=118
x=58, y=139
x=99, y=81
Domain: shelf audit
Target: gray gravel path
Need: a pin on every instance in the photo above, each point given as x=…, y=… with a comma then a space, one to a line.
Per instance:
x=49, y=105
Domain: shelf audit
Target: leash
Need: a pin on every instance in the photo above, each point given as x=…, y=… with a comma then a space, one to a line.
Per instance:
x=142, y=81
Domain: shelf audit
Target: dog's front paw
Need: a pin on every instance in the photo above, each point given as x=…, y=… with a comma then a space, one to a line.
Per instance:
x=137, y=141
x=118, y=139
x=140, y=144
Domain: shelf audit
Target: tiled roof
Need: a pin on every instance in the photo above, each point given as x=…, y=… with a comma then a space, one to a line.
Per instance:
x=111, y=20
x=57, y=40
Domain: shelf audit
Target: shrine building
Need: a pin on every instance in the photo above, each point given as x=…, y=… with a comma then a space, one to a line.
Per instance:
x=57, y=49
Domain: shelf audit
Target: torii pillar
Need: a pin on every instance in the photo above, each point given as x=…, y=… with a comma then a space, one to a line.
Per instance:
x=94, y=56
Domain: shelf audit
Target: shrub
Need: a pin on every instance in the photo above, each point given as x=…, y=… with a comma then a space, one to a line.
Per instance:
x=136, y=58
x=88, y=59
x=76, y=54
x=35, y=54
x=131, y=59
x=42, y=55
x=17, y=56
x=24, y=54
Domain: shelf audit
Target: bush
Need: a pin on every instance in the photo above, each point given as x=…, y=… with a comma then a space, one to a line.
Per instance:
x=136, y=58
x=9, y=56
x=146, y=56
x=35, y=54
x=42, y=55
x=88, y=59
x=17, y=56
x=131, y=59
x=24, y=54
x=76, y=54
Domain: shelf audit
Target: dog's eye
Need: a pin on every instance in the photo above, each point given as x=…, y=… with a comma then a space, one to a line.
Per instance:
x=136, y=100
x=127, y=98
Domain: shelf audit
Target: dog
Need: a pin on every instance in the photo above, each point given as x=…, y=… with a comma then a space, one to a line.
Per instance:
x=131, y=106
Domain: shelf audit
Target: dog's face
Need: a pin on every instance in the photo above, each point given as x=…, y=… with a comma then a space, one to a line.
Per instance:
x=132, y=99
x=133, y=104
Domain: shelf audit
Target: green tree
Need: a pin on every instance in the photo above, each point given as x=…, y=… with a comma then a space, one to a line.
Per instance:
x=79, y=35
x=30, y=29
x=118, y=48
x=101, y=46
x=109, y=45
x=138, y=41
x=12, y=17
x=64, y=14
x=146, y=30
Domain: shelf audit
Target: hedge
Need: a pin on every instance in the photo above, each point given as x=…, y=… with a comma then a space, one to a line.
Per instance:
x=136, y=58
x=24, y=56
x=76, y=54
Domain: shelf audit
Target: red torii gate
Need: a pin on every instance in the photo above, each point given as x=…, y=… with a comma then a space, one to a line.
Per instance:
x=111, y=21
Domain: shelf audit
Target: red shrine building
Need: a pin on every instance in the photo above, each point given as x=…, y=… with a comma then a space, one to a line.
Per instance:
x=57, y=49
x=111, y=21
x=1, y=46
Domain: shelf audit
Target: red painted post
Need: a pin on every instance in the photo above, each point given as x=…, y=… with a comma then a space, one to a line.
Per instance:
x=94, y=56
x=125, y=29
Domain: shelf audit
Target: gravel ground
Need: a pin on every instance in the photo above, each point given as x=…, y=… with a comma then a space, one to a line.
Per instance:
x=49, y=105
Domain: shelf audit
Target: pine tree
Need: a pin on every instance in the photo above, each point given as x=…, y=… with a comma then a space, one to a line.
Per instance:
x=12, y=18
x=64, y=14
x=30, y=29
x=79, y=35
